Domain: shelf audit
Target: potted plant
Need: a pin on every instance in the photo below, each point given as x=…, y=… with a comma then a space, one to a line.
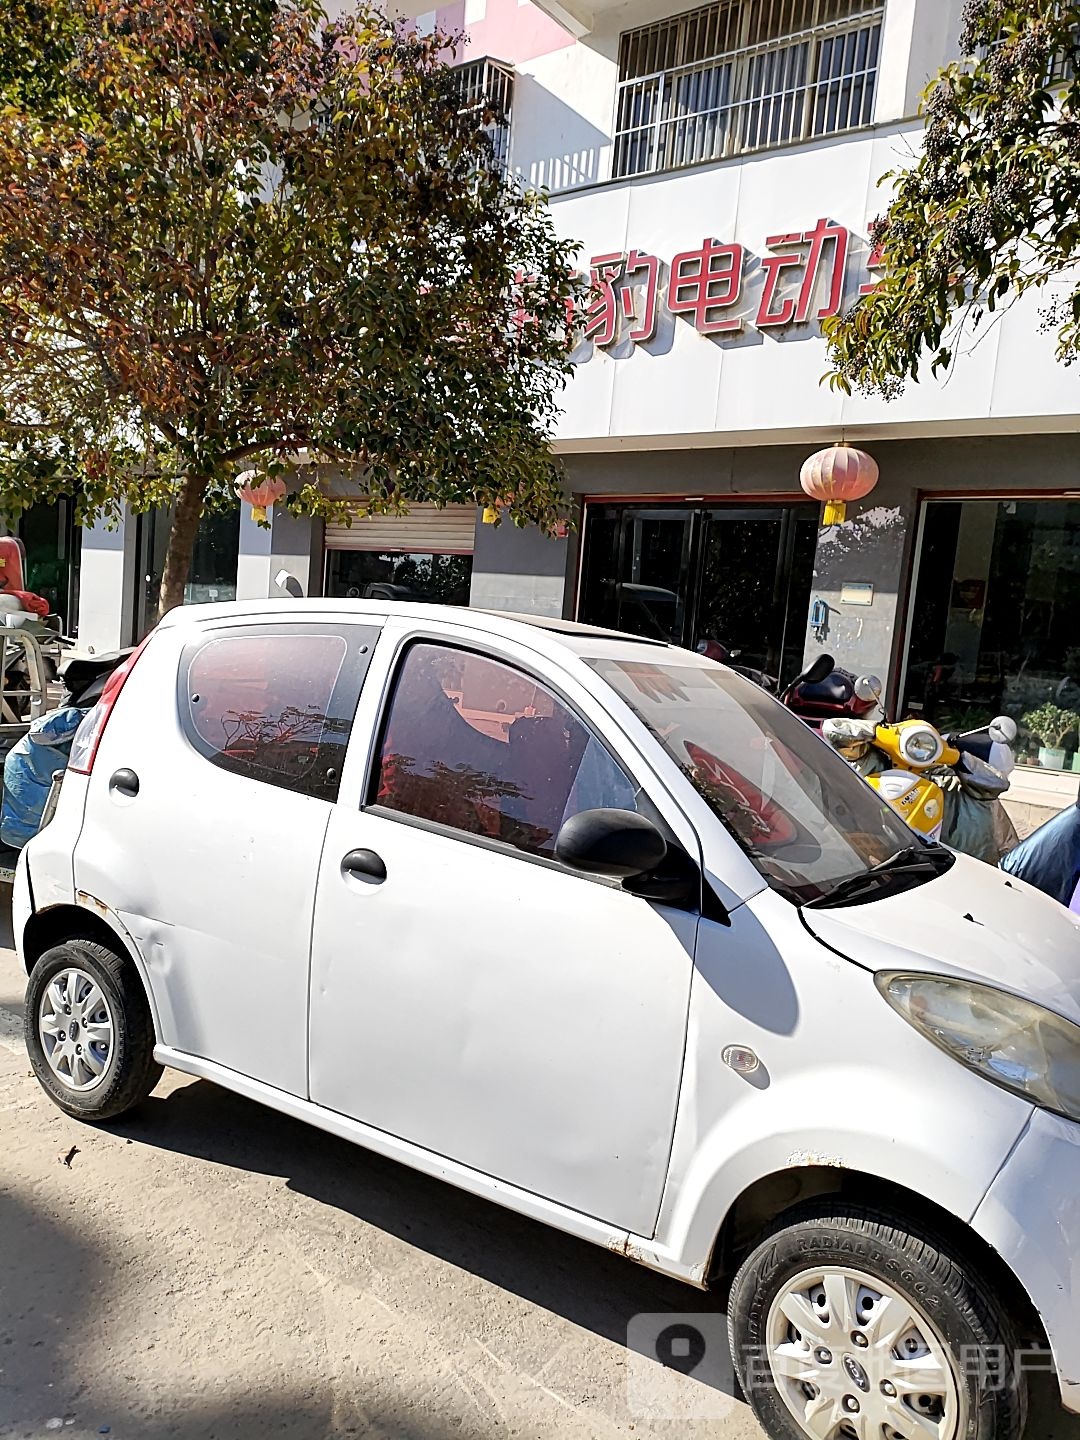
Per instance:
x=1051, y=726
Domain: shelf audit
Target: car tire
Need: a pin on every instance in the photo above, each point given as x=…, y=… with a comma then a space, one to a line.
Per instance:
x=80, y=991
x=876, y=1266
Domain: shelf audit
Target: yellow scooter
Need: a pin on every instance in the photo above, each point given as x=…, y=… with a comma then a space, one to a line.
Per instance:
x=913, y=747
x=897, y=760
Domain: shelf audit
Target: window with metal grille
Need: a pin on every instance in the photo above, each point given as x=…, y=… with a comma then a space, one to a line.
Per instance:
x=742, y=75
x=1062, y=69
x=488, y=86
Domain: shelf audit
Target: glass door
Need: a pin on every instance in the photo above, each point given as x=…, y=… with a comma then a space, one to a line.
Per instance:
x=636, y=571
x=52, y=556
x=151, y=537
x=753, y=592
x=738, y=576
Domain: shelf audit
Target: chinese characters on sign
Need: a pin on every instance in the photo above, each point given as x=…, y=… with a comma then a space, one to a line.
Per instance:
x=616, y=298
x=801, y=278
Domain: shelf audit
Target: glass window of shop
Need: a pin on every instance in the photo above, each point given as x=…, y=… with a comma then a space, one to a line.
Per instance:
x=394, y=575
x=214, y=558
x=213, y=562
x=994, y=622
x=51, y=540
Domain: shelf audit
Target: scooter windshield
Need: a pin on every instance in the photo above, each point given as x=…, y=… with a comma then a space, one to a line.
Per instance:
x=805, y=818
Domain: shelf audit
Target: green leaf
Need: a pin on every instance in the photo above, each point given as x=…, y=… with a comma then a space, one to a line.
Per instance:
x=990, y=207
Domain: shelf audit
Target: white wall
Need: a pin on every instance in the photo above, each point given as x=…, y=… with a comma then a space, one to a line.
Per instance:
x=688, y=388
x=107, y=576
x=254, y=561
x=918, y=38
x=290, y=542
x=563, y=111
x=935, y=42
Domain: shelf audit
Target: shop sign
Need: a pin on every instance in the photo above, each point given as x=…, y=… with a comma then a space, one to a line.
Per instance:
x=720, y=288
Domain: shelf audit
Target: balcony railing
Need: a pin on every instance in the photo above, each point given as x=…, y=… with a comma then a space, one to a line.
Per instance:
x=488, y=85
x=689, y=92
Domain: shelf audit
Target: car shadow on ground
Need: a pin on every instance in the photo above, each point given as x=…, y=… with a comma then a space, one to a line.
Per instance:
x=566, y=1276
x=579, y=1281
x=51, y=1285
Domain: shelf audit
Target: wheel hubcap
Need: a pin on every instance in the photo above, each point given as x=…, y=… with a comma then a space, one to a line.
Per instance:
x=853, y=1359
x=75, y=1027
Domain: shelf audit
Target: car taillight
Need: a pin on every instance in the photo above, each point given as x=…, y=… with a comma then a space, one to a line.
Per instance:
x=84, y=747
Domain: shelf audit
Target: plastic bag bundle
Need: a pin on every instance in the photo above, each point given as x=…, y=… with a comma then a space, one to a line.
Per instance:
x=974, y=824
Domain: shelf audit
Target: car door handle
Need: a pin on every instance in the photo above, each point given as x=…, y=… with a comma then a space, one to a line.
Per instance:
x=364, y=865
x=125, y=782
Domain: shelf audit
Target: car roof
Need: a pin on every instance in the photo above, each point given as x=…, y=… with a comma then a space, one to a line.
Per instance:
x=573, y=628
x=558, y=639
x=497, y=621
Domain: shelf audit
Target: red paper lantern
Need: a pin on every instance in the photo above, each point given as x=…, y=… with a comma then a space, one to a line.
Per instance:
x=260, y=492
x=837, y=475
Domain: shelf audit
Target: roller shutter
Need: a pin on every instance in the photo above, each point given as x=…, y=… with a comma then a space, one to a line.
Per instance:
x=425, y=529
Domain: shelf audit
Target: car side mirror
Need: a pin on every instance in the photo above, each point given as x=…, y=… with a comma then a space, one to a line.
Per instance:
x=616, y=843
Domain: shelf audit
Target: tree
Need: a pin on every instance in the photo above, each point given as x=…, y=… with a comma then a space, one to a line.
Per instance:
x=234, y=235
x=989, y=210
x=37, y=43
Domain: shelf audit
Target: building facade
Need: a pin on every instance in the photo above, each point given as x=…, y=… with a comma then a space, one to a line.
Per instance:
x=720, y=168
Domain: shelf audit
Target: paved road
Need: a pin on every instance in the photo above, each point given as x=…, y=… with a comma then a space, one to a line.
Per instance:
x=211, y=1271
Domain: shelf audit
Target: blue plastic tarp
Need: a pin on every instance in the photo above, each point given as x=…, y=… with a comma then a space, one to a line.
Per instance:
x=29, y=770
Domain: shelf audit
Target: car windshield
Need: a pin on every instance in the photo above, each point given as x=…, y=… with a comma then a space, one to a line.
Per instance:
x=801, y=814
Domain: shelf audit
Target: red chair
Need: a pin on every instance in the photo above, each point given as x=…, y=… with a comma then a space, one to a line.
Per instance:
x=12, y=563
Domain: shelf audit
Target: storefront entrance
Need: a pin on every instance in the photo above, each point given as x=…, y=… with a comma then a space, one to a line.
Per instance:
x=739, y=575
x=392, y=575
x=425, y=554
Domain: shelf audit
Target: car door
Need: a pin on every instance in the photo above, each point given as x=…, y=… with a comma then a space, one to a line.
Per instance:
x=470, y=994
x=233, y=737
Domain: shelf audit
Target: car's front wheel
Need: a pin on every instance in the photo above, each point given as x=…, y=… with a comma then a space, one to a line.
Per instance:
x=847, y=1324
x=89, y=1031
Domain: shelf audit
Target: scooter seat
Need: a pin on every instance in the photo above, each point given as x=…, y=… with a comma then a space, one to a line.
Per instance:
x=835, y=689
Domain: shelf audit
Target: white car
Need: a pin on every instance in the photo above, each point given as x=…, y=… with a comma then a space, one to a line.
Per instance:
x=596, y=929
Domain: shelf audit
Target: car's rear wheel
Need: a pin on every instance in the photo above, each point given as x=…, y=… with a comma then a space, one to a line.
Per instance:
x=846, y=1324
x=89, y=1031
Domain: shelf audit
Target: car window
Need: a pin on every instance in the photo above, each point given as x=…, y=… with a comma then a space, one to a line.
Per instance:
x=276, y=704
x=803, y=816
x=474, y=744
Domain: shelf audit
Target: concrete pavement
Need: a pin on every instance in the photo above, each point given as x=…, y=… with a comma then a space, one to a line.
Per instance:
x=208, y=1270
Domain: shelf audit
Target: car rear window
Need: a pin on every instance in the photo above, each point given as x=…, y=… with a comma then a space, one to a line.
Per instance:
x=275, y=704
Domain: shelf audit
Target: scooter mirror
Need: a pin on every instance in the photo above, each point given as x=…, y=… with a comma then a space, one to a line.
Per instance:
x=820, y=670
x=868, y=688
x=1003, y=729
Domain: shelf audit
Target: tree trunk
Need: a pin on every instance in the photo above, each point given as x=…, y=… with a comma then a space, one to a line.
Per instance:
x=185, y=524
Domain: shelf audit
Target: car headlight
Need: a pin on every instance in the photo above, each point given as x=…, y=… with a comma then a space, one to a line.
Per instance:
x=1013, y=1042
x=920, y=745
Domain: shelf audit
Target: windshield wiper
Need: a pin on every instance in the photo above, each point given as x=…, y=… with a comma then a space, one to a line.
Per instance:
x=915, y=857
x=912, y=860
